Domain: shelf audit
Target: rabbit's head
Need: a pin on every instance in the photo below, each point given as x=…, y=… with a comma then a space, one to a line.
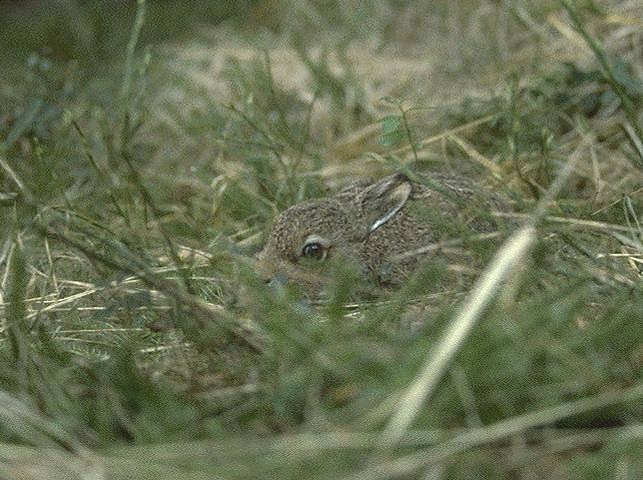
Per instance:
x=308, y=237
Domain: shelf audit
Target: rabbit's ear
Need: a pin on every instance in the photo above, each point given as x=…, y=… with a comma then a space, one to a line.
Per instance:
x=382, y=200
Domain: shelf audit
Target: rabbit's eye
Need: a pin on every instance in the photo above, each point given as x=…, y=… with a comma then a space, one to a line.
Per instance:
x=313, y=250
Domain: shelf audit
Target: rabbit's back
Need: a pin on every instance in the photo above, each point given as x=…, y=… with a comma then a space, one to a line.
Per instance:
x=440, y=208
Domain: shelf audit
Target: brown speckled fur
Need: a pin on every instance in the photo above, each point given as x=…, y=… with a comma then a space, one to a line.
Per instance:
x=344, y=219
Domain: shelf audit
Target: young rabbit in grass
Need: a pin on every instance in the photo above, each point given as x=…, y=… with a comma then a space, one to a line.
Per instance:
x=380, y=228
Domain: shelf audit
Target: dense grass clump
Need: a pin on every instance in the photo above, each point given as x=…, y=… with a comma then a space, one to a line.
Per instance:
x=145, y=150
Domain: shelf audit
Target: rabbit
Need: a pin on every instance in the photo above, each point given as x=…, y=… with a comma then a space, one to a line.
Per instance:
x=380, y=227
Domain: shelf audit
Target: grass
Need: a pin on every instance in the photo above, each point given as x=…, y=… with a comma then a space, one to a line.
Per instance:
x=144, y=154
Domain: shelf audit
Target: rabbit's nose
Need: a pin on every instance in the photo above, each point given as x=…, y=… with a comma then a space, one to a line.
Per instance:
x=278, y=281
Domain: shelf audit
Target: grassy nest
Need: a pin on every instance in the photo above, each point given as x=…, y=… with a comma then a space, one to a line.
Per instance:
x=145, y=150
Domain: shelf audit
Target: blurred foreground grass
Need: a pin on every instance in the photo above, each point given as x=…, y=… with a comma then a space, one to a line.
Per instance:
x=144, y=151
